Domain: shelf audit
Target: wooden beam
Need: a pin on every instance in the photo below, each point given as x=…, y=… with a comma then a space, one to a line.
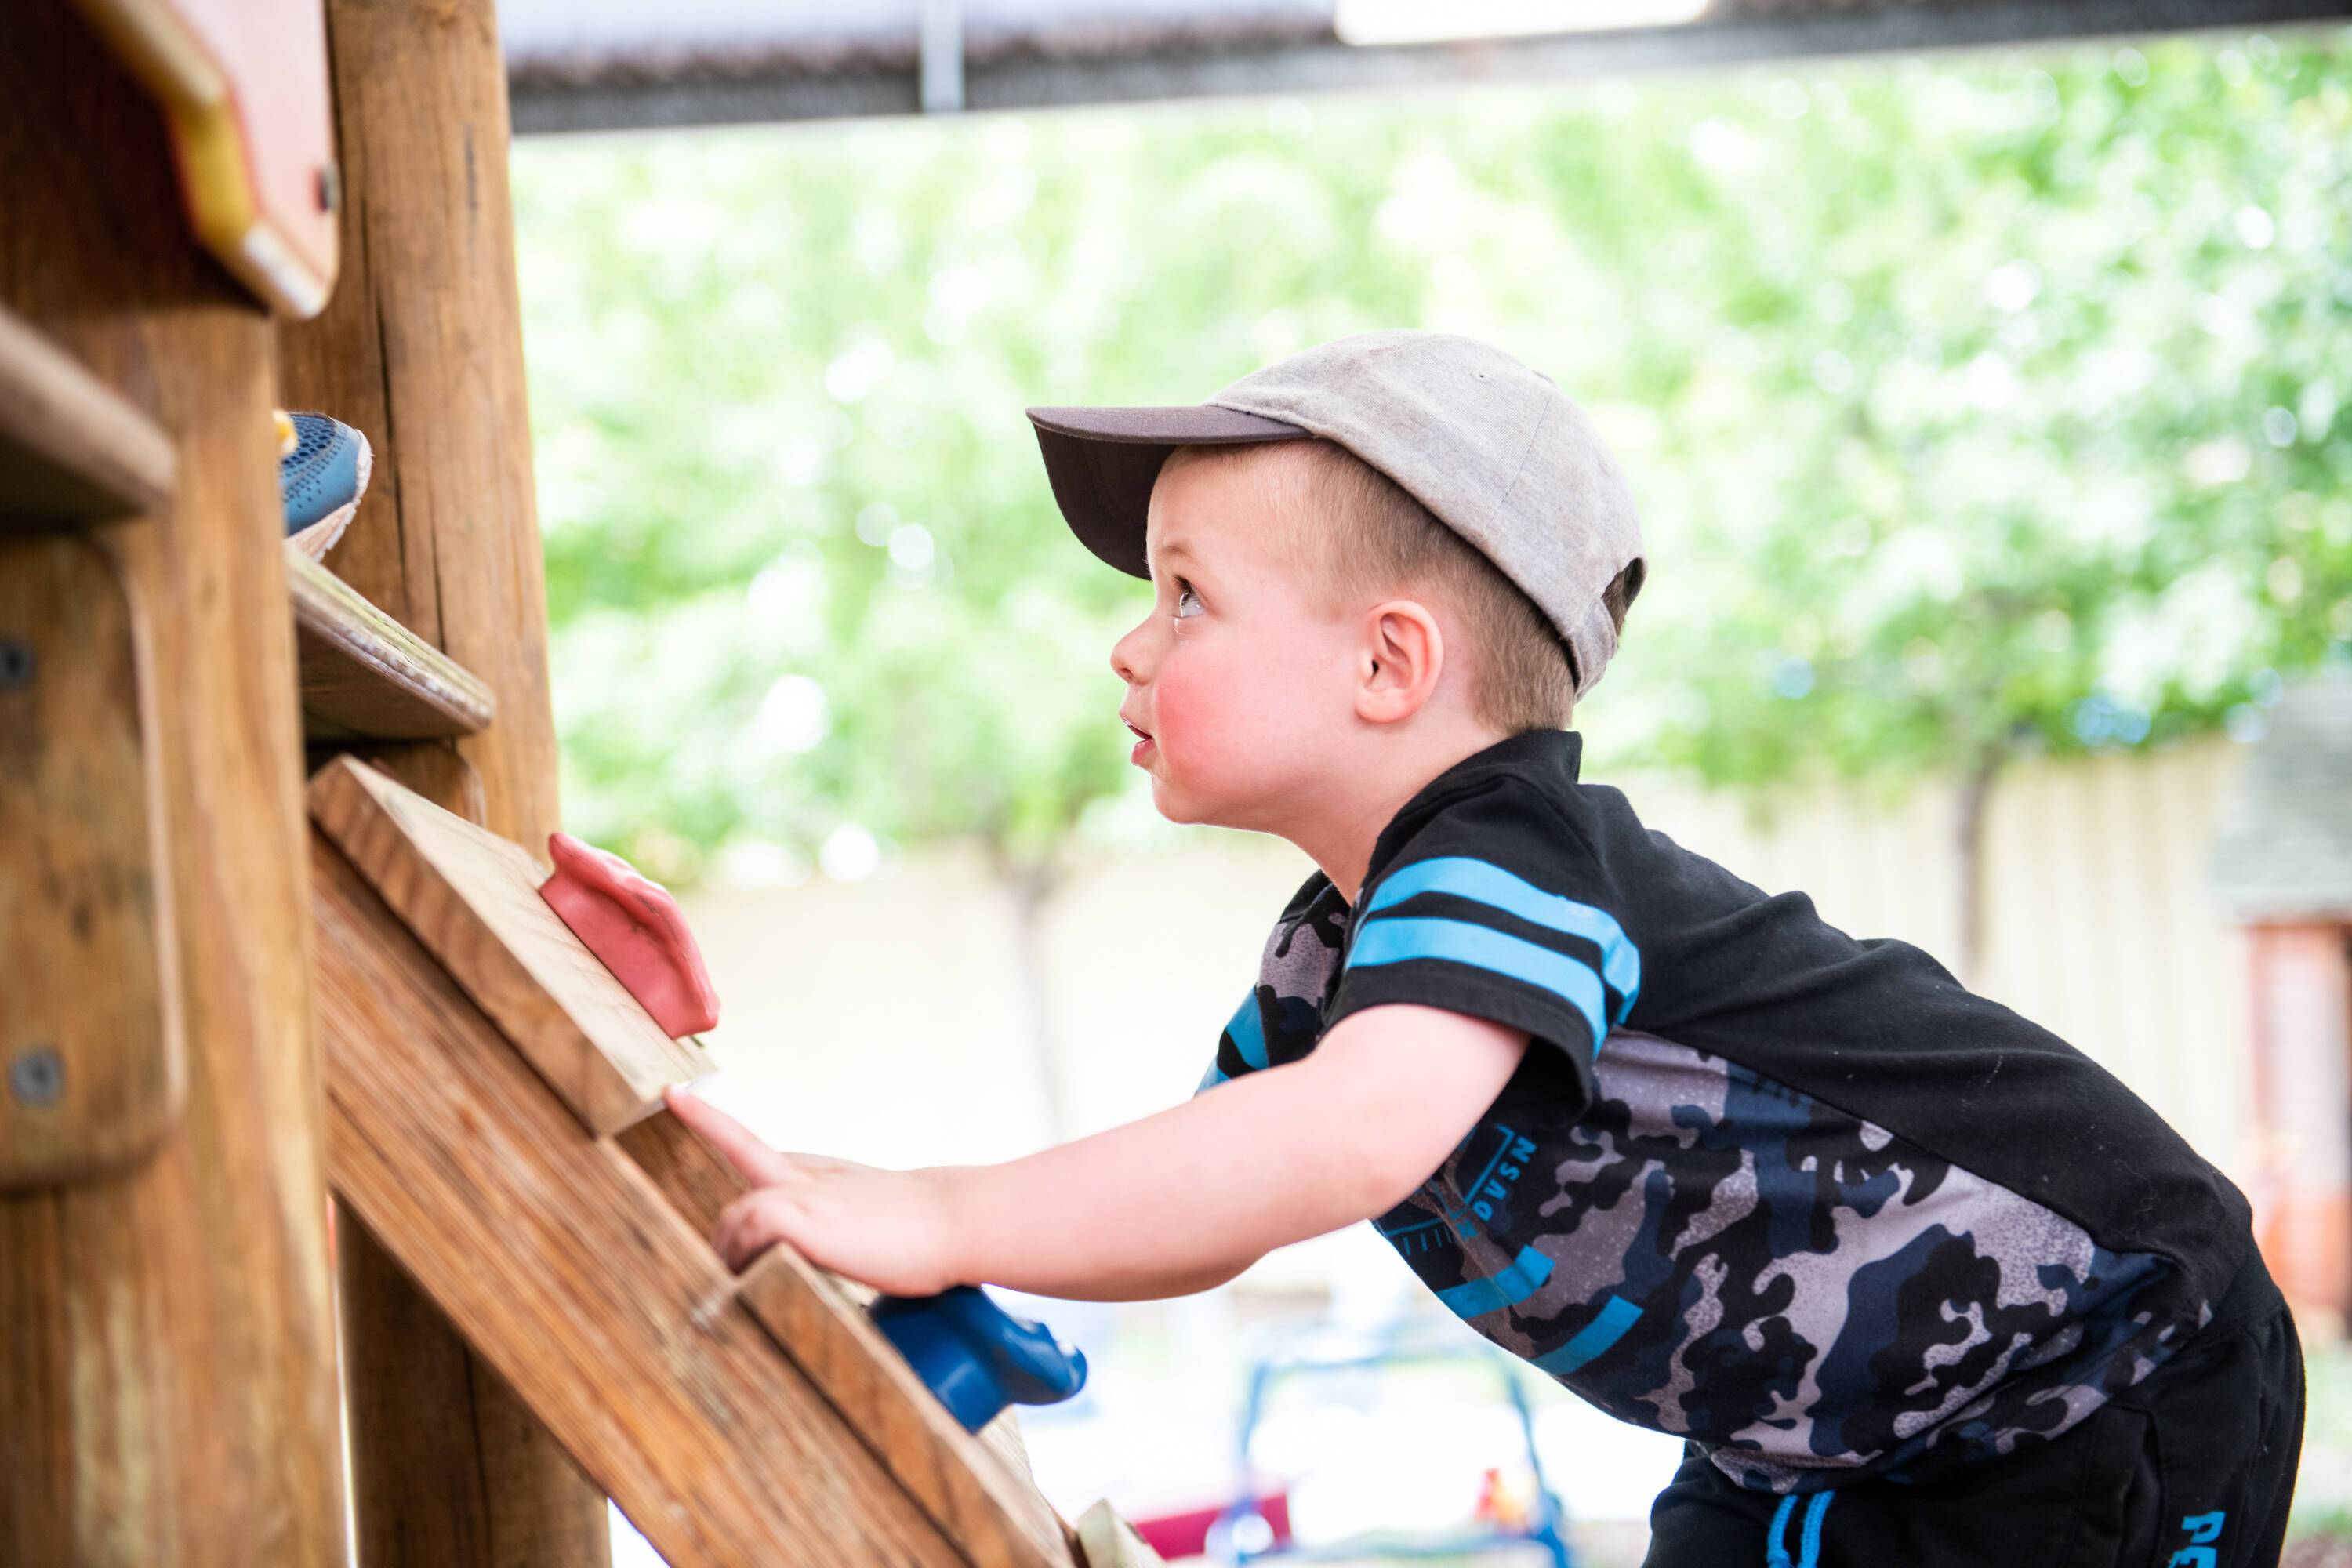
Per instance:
x=93, y=1066
x=167, y=1350
x=977, y=1502
x=72, y=449
x=566, y=1270
x=966, y=1485
x=472, y=898
x=365, y=676
x=421, y=347
x=416, y=1393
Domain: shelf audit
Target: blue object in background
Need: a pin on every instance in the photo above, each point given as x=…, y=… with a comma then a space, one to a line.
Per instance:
x=1243, y=1535
x=976, y=1357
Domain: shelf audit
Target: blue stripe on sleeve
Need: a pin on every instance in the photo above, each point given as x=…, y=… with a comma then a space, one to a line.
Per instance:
x=1395, y=940
x=1210, y=1080
x=1617, y=1315
x=1248, y=1031
x=1514, y=1284
x=1487, y=883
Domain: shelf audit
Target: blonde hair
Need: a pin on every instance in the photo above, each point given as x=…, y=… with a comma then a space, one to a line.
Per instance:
x=1365, y=535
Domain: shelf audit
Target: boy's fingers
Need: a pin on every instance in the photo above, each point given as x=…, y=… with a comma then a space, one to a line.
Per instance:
x=742, y=1148
x=745, y=1228
x=722, y=1229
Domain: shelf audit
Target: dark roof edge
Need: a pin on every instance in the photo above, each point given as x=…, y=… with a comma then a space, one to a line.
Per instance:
x=1154, y=62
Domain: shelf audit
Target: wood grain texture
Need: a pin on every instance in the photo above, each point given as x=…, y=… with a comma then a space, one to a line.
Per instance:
x=408, y=1371
x=365, y=675
x=92, y=1067
x=498, y=1488
x=473, y=898
x=421, y=347
x=72, y=449
x=167, y=1350
x=999, y=1520
x=978, y=1490
x=688, y=1172
x=564, y=1267
x=432, y=768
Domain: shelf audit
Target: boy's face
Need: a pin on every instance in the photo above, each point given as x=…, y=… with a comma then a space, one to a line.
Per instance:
x=1240, y=678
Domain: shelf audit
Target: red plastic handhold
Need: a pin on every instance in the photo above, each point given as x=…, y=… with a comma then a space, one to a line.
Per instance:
x=632, y=924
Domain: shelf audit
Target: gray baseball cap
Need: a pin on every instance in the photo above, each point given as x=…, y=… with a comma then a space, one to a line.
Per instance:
x=1495, y=451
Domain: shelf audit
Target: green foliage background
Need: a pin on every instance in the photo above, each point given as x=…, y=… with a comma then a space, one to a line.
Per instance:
x=1975, y=403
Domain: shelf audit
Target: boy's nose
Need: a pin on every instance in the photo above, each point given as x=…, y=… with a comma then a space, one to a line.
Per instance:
x=1124, y=655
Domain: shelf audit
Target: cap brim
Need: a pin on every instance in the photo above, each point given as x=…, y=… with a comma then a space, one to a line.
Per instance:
x=1102, y=463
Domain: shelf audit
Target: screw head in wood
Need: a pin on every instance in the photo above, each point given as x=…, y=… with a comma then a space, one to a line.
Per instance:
x=16, y=663
x=36, y=1076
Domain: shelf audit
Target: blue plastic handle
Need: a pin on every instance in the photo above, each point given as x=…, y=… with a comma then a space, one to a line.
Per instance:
x=976, y=1357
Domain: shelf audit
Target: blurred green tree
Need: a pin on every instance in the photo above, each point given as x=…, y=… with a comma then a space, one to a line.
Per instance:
x=2027, y=437
x=1975, y=404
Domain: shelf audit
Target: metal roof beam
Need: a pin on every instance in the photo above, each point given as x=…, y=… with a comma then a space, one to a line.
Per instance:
x=1015, y=78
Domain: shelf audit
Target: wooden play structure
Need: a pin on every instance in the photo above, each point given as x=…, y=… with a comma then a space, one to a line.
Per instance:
x=267, y=892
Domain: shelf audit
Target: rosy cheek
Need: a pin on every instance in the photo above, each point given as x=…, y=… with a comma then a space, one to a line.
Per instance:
x=1189, y=710
x=1173, y=708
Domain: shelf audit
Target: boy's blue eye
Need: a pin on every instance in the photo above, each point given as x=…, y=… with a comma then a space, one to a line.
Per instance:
x=1184, y=595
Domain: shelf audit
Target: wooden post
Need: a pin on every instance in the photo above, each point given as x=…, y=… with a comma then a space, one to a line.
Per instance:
x=421, y=347
x=167, y=1385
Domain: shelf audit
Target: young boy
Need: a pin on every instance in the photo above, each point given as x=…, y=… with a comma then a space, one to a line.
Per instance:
x=1859, y=1236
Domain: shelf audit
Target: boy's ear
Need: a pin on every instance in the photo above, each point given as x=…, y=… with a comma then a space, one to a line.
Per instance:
x=1397, y=666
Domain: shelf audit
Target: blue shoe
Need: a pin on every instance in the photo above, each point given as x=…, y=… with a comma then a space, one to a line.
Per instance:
x=322, y=471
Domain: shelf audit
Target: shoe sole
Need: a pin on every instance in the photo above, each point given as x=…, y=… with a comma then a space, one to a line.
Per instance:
x=319, y=537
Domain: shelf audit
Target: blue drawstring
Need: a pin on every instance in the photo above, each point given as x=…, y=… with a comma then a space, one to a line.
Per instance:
x=1811, y=1549
x=1776, y=1556
x=1808, y=1546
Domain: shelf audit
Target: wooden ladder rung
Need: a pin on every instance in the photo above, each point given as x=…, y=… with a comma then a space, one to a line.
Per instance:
x=72, y=449
x=366, y=677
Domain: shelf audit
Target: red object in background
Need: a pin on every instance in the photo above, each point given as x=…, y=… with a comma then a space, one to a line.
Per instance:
x=1186, y=1534
x=633, y=926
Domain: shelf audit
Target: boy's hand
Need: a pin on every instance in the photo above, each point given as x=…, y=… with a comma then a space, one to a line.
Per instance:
x=889, y=1229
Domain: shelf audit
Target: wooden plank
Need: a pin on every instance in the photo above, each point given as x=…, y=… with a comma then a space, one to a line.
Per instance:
x=688, y=1172
x=969, y=1486
x=72, y=449
x=167, y=1338
x=92, y=1070
x=473, y=898
x=421, y=347
x=432, y=768
x=999, y=1522
x=565, y=1268
x=365, y=675
x=511, y=1496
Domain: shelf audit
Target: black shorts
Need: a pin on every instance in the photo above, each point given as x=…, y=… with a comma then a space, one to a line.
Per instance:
x=2193, y=1468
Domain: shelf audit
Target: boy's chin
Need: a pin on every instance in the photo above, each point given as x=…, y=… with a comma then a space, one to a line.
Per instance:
x=1180, y=806
x=1171, y=803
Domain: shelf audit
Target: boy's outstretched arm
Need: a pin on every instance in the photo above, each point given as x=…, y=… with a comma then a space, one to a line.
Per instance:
x=1174, y=1203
